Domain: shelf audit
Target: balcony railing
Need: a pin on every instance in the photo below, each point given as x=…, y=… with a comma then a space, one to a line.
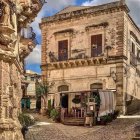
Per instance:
x=28, y=33
x=133, y=59
x=71, y=55
x=28, y=36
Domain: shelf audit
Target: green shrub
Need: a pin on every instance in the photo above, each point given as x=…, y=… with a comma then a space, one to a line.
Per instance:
x=48, y=112
x=26, y=120
x=55, y=115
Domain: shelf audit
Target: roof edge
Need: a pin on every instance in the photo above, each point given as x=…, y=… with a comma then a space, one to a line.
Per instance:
x=91, y=9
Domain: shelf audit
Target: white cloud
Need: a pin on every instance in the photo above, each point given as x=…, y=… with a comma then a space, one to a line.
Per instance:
x=134, y=6
x=56, y=5
x=35, y=56
x=48, y=9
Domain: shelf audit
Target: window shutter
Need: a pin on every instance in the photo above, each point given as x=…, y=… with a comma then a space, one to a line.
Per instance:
x=63, y=50
x=99, y=44
x=133, y=48
x=96, y=45
x=93, y=46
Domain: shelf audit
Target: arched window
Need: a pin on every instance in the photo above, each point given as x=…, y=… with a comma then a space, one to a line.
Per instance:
x=63, y=88
x=96, y=86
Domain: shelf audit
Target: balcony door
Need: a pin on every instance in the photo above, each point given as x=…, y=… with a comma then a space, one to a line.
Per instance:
x=63, y=50
x=96, y=45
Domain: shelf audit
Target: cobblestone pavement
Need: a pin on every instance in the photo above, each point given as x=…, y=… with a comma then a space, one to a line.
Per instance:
x=120, y=129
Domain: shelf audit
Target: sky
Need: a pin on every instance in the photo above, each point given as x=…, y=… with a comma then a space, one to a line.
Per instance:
x=33, y=61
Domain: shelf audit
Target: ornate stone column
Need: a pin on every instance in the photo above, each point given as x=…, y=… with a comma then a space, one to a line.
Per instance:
x=14, y=47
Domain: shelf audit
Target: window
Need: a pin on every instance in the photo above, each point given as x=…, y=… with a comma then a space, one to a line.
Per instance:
x=32, y=78
x=25, y=77
x=133, y=48
x=133, y=58
x=96, y=45
x=96, y=86
x=63, y=88
x=63, y=50
x=138, y=53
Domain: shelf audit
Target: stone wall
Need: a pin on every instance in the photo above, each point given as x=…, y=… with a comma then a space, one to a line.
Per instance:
x=132, y=76
x=115, y=26
x=80, y=38
x=80, y=77
x=10, y=102
x=14, y=47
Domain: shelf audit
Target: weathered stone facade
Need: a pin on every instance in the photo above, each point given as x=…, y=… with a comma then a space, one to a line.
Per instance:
x=31, y=78
x=115, y=65
x=14, y=47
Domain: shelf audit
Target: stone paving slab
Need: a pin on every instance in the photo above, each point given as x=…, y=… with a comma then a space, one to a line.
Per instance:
x=120, y=129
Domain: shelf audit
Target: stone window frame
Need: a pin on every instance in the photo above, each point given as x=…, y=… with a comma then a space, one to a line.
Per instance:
x=90, y=34
x=96, y=84
x=32, y=79
x=96, y=29
x=60, y=37
x=61, y=86
x=133, y=41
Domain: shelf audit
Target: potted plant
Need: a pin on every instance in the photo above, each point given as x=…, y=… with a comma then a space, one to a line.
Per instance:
x=55, y=115
x=76, y=99
x=103, y=120
x=115, y=114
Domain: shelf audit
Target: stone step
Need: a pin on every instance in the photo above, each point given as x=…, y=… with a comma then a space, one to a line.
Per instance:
x=136, y=138
x=73, y=121
x=137, y=135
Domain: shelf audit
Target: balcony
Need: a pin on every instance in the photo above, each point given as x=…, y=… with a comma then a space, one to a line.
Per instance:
x=28, y=36
x=41, y=2
x=28, y=10
x=78, y=58
x=133, y=59
x=28, y=41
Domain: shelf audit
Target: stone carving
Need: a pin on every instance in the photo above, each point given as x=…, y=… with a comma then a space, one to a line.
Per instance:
x=5, y=40
x=92, y=10
x=11, y=12
x=6, y=13
x=7, y=24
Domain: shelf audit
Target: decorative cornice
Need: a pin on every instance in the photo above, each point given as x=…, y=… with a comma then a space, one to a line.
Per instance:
x=64, y=31
x=91, y=10
x=77, y=63
x=27, y=11
x=135, y=37
x=135, y=25
x=103, y=24
x=10, y=57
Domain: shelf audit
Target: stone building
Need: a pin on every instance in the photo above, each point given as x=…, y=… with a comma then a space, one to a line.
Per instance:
x=15, y=15
x=31, y=78
x=92, y=47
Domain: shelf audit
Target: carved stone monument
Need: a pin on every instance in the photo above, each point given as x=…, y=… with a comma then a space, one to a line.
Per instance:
x=13, y=49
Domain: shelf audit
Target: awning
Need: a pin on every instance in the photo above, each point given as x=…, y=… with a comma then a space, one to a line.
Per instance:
x=108, y=102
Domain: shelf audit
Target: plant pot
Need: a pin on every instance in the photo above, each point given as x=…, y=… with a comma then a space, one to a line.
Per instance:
x=102, y=122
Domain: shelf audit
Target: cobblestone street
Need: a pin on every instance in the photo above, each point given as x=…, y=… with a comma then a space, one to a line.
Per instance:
x=120, y=129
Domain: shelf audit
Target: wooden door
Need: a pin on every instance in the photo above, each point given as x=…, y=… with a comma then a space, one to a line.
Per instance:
x=96, y=45
x=63, y=50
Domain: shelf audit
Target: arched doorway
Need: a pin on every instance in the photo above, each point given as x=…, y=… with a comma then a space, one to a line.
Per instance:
x=63, y=88
x=95, y=86
x=63, y=97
